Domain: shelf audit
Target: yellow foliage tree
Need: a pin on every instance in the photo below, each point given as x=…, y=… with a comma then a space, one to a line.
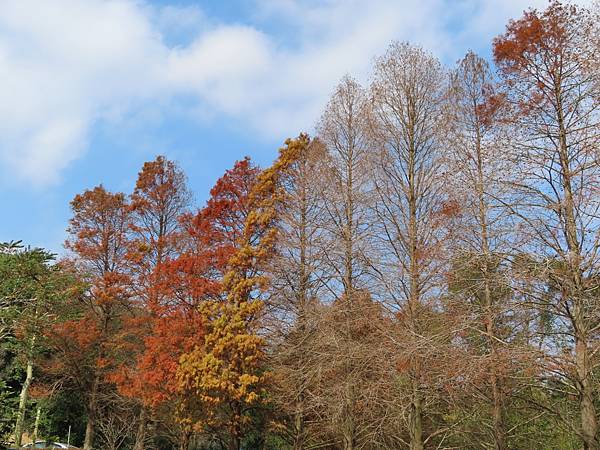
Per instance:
x=226, y=373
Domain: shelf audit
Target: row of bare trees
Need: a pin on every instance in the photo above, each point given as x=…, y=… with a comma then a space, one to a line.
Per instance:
x=436, y=283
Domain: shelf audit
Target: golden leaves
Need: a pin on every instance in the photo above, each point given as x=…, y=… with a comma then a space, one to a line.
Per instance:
x=225, y=374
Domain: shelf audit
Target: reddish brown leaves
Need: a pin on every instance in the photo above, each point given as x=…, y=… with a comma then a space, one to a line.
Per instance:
x=534, y=34
x=535, y=47
x=172, y=324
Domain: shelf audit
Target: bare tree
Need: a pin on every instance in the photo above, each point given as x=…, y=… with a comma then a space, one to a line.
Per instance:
x=555, y=114
x=297, y=277
x=344, y=130
x=478, y=170
x=115, y=422
x=591, y=56
x=407, y=95
x=297, y=270
x=344, y=373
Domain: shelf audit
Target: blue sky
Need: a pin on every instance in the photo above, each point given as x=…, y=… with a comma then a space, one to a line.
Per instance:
x=90, y=89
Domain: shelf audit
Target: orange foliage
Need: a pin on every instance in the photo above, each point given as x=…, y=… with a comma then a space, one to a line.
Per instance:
x=172, y=323
x=533, y=47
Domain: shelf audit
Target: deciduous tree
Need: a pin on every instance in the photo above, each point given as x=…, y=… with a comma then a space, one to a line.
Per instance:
x=226, y=372
x=98, y=239
x=156, y=235
x=479, y=173
x=410, y=209
x=298, y=274
x=344, y=130
x=541, y=59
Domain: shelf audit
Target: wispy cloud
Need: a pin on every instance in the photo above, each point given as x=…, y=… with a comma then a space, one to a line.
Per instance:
x=66, y=64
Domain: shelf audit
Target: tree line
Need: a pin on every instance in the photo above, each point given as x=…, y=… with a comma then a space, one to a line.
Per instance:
x=422, y=273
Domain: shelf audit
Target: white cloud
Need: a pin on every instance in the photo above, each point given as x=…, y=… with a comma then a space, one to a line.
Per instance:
x=222, y=65
x=65, y=64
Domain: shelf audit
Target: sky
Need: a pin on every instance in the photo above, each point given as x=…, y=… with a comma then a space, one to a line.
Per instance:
x=90, y=89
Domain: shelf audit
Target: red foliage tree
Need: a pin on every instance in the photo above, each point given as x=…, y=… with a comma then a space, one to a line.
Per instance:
x=160, y=198
x=182, y=279
x=99, y=244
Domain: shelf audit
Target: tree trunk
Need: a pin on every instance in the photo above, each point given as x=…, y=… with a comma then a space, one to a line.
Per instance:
x=414, y=300
x=349, y=438
x=37, y=423
x=90, y=428
x=416, y=421
x=495, y=379
x=302, y=298
x=490, y=319
x=234, y=443
x=349, y=428
x=298, y=431
x=89, y=434
x=140, y=437
x=589, y=425
x=498, y=415
x=23, y=403
x=348, y=231
x=349, y=441
x=184, y=440
x=235, y=427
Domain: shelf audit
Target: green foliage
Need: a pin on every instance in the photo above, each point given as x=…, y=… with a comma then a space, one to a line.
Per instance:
x=32, y=289
x=8, y=404
x=61, y=410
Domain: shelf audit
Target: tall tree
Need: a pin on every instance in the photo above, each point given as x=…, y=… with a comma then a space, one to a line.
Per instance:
x=297, y=270
x=344, y=131
x=30, y=290
x=541, y=59
x=194, y=278
x=98, y=239
x=479, y=169
x=160, y=198
x=298, y=274
x=225, y=373
x=407, y=104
